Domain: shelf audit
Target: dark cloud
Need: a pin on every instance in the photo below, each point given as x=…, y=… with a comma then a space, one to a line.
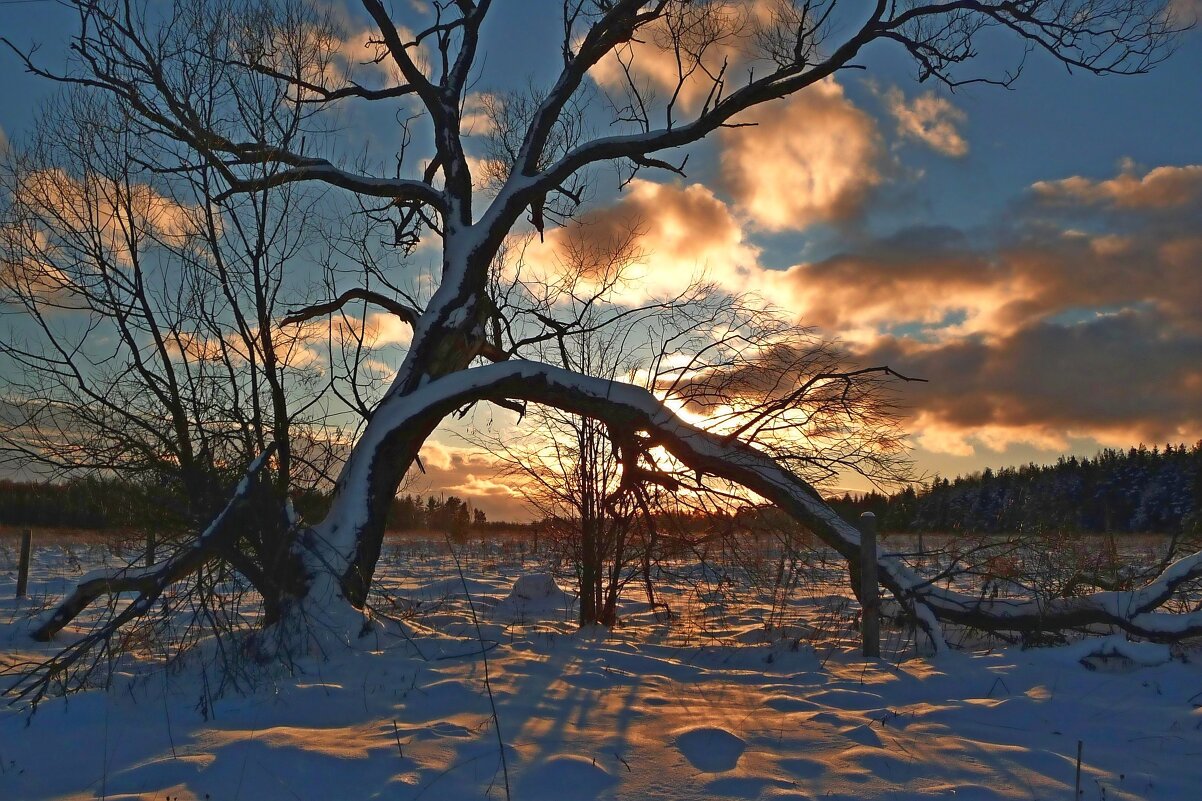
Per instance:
x=1080, y=313
x=1130, y=373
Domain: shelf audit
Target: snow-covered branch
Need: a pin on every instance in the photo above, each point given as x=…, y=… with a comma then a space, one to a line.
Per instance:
x=631, y=408
x=150, y=582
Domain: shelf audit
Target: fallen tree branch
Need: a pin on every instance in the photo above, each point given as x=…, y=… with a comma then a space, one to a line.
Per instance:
x=148, y=582
x=624, y=407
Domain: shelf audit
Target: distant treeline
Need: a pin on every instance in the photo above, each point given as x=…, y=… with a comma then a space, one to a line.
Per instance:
x=89, y=503
x=410, y=512
x=1133, y=491
x=1138, y=490
x=105, y=504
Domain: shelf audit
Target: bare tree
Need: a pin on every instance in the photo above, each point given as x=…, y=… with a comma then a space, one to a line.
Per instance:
x=568, y=467
x=142, y=338
x=570, y=475
x=732, y=362
x=154, y=63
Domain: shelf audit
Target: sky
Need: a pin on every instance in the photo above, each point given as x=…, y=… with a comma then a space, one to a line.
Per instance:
x=1034, y=253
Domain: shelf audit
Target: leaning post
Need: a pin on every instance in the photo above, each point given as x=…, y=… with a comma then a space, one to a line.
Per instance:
x=23, y=565
x=870, y=602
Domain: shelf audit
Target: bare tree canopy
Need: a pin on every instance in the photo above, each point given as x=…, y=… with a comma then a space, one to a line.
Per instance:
x=183, y=77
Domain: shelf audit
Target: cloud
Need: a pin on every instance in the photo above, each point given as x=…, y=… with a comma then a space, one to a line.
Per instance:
x=812, y=157
x=1122, y=377
x=361, y=53
x=1185, y=12
x=929, y=119
x=477, y=119
x=1079, y=315
x=1076, y=314
x=469, y=473
x=1159, y=188
x=709, y=36
x=65, y=223
x=921, y=277
x=940, y=284
x=305, y=345
x=330, y=49
x=678, y=234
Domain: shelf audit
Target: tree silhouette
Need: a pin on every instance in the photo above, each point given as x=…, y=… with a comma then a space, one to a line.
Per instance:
x=180, y=73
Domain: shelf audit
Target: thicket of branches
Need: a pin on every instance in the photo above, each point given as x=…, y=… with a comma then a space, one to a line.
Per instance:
x=603, y=494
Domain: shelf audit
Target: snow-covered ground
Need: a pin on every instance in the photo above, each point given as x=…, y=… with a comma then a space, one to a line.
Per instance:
x=710, y=705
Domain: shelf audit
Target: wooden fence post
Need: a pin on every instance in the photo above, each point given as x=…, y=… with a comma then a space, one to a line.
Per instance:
x=23, y=565
x=870, y=603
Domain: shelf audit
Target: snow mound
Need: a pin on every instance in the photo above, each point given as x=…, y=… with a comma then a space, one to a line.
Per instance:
x=564, y=775
x=536, y=587
x=710, y=749
x=534, y=596
x=1095, y=651
x=863, y=735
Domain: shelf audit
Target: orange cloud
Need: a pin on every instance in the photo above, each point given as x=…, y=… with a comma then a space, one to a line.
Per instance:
x=469, y=473
x=305, y=345
x=1080, y=318
x=120, y=214
x=929, y=119
x=685, y=233
x=1162, y=187
x=813, y=157
x=678, y=56
x=679, y=235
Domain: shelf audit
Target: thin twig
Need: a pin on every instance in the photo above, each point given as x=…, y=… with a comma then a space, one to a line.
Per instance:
x=484, y=655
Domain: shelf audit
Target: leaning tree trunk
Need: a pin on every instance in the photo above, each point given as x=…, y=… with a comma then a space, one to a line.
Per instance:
x=447, y=337
x=631, y=408
x=328, y=609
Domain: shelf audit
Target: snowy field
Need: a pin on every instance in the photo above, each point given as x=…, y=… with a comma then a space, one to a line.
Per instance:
x=712, y=704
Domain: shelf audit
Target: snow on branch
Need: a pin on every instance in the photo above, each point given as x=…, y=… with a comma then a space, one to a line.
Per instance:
x=149, y=582
x=632, y=408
